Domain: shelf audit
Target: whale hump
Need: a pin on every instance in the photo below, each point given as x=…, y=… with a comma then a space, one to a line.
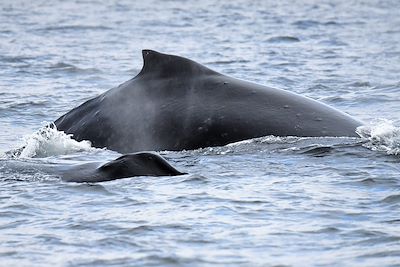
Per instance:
x=163, y=65
x=138, y=164
x=128, y=165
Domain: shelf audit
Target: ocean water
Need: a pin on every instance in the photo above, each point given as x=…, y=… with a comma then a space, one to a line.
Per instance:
x=270, y=201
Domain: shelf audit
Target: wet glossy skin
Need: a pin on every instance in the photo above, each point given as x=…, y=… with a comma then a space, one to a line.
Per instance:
x=175, y=103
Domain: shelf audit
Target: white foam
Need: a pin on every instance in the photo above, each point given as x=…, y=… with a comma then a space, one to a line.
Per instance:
x=382, y=136
x=48, y=141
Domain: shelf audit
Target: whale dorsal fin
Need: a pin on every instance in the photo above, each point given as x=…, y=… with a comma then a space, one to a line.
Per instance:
x=164, y=65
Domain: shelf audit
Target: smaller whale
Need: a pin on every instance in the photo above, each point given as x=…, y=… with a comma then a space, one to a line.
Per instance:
x=128, y=165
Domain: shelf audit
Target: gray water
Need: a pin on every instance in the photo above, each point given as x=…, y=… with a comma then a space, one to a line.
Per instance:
x=264, y=202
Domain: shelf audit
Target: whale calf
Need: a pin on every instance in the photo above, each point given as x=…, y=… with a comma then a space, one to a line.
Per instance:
x=128, y=165
x=175, y=103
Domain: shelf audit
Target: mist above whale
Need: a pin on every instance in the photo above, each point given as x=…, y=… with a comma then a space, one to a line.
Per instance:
x=175, y=103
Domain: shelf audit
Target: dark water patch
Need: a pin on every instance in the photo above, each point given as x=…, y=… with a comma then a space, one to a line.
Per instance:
x=283, y=39
x=305, y=24
x=319, y=87
x=8, y=94
x=8, y=253
x=50, y=239
x=27, y=105
x=152, y=23
x=324, y=230
x=15, y=59
x=392, y=199
x=288, y=65
x=249, y=202
x=373, y=181
x=138, y=230
x=334, y=99
x=318, y=151
x=196, y=196
x=394, y=221
x=13, y=214
x=227, y=62
x=15, y=223
x=117, y=261
x=383, y=254
x=332, y=42
x=373, y=241
x=360, y=84
x=367, y=181
x=27, y=71
x=68, y=28
x=331, y=23
x=146, y=228
x=117, y=242
x=366, y=233
x=6, y=32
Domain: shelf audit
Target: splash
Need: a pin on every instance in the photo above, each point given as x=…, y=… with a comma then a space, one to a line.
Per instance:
x=381, y=136
x=48, y=141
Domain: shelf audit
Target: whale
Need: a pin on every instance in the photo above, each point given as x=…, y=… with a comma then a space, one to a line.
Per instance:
x=175, y=103
x=125, y=166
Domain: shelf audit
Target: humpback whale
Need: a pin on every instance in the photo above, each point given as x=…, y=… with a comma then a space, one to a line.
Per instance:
x=128, y=165
x=175, y=103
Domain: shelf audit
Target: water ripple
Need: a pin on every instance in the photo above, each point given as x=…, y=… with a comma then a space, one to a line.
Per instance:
x=74, y=28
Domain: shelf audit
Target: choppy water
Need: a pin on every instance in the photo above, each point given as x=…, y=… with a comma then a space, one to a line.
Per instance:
x=264, y=202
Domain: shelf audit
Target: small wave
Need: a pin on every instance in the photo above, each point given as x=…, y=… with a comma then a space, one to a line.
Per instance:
x=228, y=62
x=48, y=141
x=26, y=104
x=317, y=150
x=360, y=84
x=324, y=230
x=283, y=39
x=392, y=199
x=69, y=68
x=381, y=136
x=15, y=59
x=367, y=181
x=73, y=28
x=304, y=24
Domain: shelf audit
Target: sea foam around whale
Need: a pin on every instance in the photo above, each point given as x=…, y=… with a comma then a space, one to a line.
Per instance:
x=381, y=135
x=48, y=141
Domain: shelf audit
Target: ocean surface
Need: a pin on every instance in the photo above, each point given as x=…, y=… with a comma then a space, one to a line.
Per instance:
x=270, y=201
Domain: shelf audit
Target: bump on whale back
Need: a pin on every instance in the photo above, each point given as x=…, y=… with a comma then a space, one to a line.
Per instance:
x=128, y=165
x=165, y=66
x=138, y=164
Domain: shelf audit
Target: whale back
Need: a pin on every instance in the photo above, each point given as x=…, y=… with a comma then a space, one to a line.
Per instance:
x=129, y=165
x=175, y=103
x=138, y=164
